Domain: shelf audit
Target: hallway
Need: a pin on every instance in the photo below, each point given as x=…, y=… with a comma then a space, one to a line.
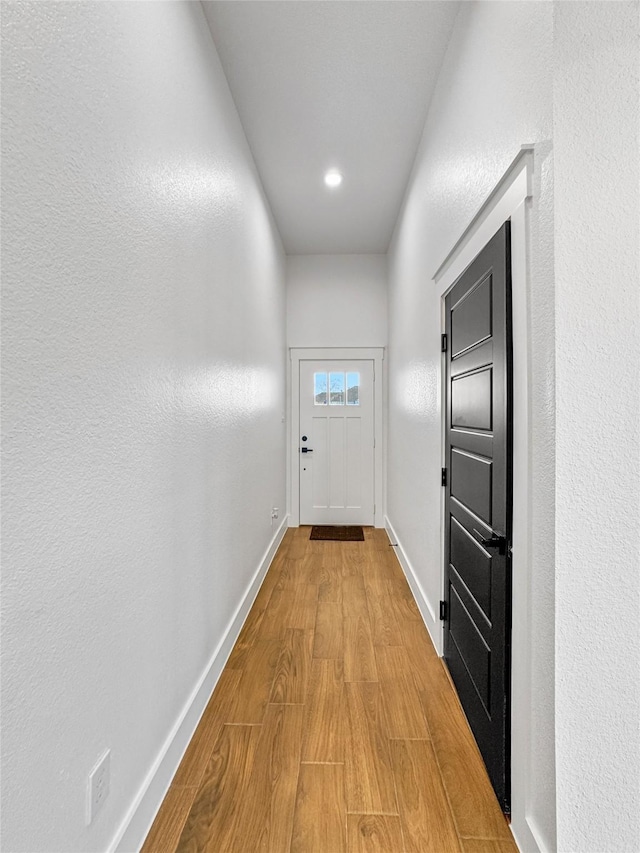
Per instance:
x=334, y=726
x=174, y=246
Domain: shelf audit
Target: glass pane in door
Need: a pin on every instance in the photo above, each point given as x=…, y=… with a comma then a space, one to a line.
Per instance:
x=320, y=389
x=336, y=389
x=353, y=389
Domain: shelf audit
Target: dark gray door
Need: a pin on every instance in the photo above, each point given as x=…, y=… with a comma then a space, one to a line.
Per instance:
x=477, y=607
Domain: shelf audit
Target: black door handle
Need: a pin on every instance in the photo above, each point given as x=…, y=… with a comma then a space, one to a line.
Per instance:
x=306, y=450
x=493, y=541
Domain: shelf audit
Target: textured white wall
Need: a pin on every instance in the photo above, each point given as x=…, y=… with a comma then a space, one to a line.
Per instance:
x=337, y=300
x=143, y=380
x=596, y=144
x=494, y=94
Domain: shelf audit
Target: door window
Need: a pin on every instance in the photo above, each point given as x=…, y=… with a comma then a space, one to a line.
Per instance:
x=336, y=388
x=353, y=389
x=320, y=389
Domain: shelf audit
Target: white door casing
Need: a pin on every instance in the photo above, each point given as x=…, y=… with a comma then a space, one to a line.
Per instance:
x=335, y=355
x=336, y=464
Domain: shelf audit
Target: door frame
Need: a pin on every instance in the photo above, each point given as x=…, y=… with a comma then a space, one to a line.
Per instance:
x=298, y=354
x=510, y=199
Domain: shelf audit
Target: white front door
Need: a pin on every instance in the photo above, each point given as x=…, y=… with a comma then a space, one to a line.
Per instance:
x=336, y=442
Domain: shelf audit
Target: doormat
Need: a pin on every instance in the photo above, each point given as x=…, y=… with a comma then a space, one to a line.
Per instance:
x=338, y=534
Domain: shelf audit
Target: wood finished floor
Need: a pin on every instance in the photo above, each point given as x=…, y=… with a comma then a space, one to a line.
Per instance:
x=334, y=726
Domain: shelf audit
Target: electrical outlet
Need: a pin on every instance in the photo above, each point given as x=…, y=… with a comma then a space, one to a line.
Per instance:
x=274, y=514
x=98, y=786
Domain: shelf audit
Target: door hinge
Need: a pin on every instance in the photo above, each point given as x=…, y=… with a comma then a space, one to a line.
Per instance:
x=444, y=477
x=443, y=343
x=443, y=611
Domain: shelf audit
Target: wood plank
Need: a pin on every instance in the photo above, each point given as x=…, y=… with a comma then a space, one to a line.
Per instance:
x=276, y=618
x=196, y=756
x=375, y=581
x=420, y=651
x=385, y=554
x=285, y=576
x=385, y=628
x=484, y=845
x=265, y=816
x=325, y=713
x=312, y=564
x=306, y=569
x=405, y=608
x=248, y=635
x=279, y=558
x=330, y=586
x=292, y=669
x=329, y=577
x=398, y=587
x=405, y=716
x=330, y=580
x=299, y=542
x=321, y=564
x=354, y=600
x=302, y=614
x=277, y=570
x=370, y=786
x=415, y=634
x=164, y=835
x=254, y=689
x=210, y=827
x=427, y=822
x=473, y=803
x=287, y=539
x=250, y=631
x=281, y=555
x=352, y=556
x=380, y=539
x=320, y=815
x=374, y=833
x=329, y=635
x=359, y=656
x=393, y=564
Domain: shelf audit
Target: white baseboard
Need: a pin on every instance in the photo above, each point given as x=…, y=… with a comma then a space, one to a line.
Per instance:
x=138, y=820
x=526, y=835
x=424, y=606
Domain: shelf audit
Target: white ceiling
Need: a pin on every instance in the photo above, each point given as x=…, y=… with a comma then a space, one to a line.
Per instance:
x=332, y=83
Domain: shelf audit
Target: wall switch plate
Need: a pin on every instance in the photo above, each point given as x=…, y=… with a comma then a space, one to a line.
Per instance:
x=98, y=785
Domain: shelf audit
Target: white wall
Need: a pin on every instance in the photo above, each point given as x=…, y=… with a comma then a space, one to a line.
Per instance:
x=596, y=144
x=143, y=379
x=494, y=94
x=337, y=300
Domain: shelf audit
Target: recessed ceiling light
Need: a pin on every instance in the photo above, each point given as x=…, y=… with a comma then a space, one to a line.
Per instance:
x=333, y=178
